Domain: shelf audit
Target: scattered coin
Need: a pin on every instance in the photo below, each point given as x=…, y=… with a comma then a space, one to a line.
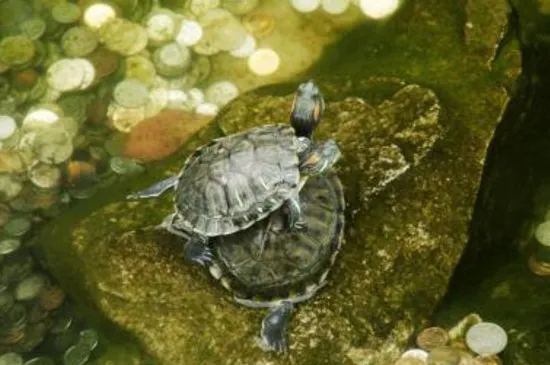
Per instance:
x=124, y=37
x=41, y=360
x=198, y=7
x=45, y=176
x=16, y=50
x=66, y=13
x=7, y=126
x=79, y=41
x=417, y=354
x=172, y=59
x=9, y=245
x=221, y=93
x=33, y=28
x=239, y=7
x=378, y=9
x=222, y=30
x=432, y=337
x=443, y=356
x=88, y=338
x=53, y=145
x=486, y=338
x=76, y=355
x=139, y=67
x=264, y=61
x=17, y=226
x=161, y=26
x=189, y=34
x=97, y=15
x=246, y=49
x=130, y=93
x=335, y=7
x=207, y=109
x=305, y=6
x=11, y=358
x=65, y=75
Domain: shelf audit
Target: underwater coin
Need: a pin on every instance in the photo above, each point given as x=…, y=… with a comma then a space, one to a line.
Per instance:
x=443, y=356
x=259, y=24
x=76, y=355
x=17, y=226
x=246, y=49
x=11, y=358
x=221, y=93
x=97, y=15
x=207, y=109
x=305, y=6
x=415, y=354
x=432, y=337
x=161, y=26
x=53, y=145
x=16, y=50
x=335, y=7
x=172, y=59
x=62, y=322
x=45, y=176
x=8, y=126
x=239, y=7
x=33, y=28
x=88, y=338
x=190, y=33
x=264, y=61
x=486, y=338
x=79, y=41
x=8, y=245
x=6, y=299
x=66, y=13
x=65, y=75
x=30, y=287
x=130, y=93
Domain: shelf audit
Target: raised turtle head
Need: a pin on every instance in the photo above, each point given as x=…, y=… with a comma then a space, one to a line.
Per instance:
x=307, y=109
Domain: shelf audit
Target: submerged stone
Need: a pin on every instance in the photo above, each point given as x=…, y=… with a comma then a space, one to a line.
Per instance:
x=413, y=155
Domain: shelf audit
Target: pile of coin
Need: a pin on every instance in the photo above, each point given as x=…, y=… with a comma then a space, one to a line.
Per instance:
x=375, y=9
x=469, y=342
x=34, y=312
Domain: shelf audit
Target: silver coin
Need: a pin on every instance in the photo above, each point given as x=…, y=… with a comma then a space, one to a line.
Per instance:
x=221, y=93
x=45, y=176
x=8, y=126
x=11, y=358
x=65, y=75
x=131, y=93
x=17, y=226
x=486, y=338
x=34, y=28
x=9, y=245
x=34, y=335
x=76, y=355
x=88, y=70
x=89, y=338
x=30, y=287
x=75, y=106
x=62, y=323
x=14, y=319
x=79, y=41
x=66, y=13
x=52, y=145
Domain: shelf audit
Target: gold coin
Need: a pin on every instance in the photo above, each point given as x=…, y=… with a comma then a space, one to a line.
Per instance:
x=16, y=50
x=259, y=24
x=432, y=337
x=24, y=79
x=66, y=13
x=124, y=37
x=51, y=298
x=141, y=68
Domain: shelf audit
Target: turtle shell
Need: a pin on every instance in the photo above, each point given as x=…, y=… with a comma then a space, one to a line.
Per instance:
x=268, y=262
x=231, y=183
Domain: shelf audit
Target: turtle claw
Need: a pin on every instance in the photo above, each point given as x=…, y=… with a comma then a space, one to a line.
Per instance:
x=322, y=158
x=273, y=333
x=197, y=250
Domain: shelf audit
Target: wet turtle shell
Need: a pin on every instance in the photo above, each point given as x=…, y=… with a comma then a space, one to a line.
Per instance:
x=235, y=181
x=266, y=262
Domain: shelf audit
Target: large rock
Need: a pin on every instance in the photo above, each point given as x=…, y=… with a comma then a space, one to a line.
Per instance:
x=412, y=162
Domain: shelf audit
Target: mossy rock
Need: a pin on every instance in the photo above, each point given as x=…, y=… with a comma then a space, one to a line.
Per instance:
x=413, y=143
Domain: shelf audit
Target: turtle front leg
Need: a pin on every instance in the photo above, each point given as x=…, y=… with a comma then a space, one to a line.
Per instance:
x=273, y=332
x=196, y=250
x=154, y=190
x=296, y=220
x=321, y=158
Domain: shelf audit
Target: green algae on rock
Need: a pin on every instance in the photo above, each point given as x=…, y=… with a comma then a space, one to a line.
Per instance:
x=413, y=154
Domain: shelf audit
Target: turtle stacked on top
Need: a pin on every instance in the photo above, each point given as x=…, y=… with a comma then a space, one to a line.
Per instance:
x=243, y=204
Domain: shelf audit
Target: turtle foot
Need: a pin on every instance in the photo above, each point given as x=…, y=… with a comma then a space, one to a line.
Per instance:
x=273, y=332
x=154, y=190
x=321, y=158
x=197, y=250
x=296, y=221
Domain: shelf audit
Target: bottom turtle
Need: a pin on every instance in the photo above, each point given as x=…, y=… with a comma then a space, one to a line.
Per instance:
x=268, y=266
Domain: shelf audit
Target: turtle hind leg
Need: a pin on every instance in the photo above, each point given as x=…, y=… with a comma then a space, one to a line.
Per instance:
x=196, y=250
x=321, y=158
x=154, y=190
x=273, y=332
x=296, y=220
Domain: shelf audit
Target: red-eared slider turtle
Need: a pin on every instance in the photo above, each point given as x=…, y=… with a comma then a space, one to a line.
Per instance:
x=268, y=266
x=235, y=181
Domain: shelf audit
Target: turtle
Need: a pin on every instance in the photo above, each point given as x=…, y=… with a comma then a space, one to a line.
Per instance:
x=234, y=181
x=268, y=266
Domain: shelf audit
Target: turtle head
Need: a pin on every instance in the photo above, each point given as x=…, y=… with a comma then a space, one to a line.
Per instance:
x=307, y=109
